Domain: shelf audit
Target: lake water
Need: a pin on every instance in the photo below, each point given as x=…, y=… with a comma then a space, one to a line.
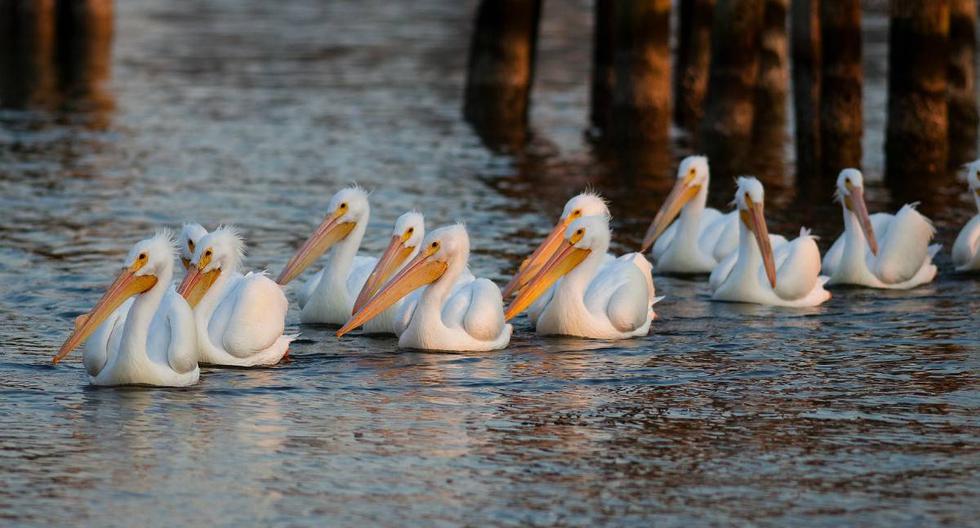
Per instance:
x=863, y=411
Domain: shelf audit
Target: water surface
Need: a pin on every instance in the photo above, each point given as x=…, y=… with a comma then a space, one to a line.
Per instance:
x=863, y=411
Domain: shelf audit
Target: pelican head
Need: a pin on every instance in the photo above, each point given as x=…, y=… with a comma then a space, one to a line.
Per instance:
x=146, y=263
x=973, y=178
x=442, y=248
x=219, y=251
x=750, y=199
x=581, y=206
x=187, y=240
x=406, y=237
x=347, y=209
x=583, y=237
x=692, y=180
x=850, y=192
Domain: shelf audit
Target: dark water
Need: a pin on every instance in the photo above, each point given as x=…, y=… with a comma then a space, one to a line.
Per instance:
x=863, y=411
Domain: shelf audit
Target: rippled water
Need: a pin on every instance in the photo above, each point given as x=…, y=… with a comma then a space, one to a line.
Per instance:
x=863, y=411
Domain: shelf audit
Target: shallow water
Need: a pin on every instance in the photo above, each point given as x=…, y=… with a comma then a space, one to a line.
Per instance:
x=863, y=411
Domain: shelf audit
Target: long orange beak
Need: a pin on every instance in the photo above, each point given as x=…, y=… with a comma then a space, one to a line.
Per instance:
x=755, y=219
x=682, y=193
x=125, y=286
x=196, y=283
x=420, y=271
x=565, y=259
x=394, y=256
x=533, y=264
x=328, y=233
x=855, y=202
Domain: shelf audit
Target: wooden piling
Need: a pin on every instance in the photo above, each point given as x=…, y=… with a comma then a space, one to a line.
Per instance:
x=961, y=76
x=842, y=77
x=693, y=62
x=501, y=69
x=26, y=48
x=917, y=132
x=602, y=67
x=640, y=109
x=726, y=129
x=772, y=83
x=807, y=52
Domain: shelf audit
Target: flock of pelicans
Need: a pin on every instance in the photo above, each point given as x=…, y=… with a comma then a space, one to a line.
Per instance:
x=145, y=331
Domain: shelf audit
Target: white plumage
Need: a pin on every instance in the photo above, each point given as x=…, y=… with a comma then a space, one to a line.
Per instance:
x=150, y=342
x=587, y=295
x=768, y=270
x=966, y=248
x=902, y=260
x=240, y=319
x=701, y=237
x=448, y=316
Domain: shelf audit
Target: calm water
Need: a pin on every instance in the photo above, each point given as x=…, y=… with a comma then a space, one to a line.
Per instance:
x=863, y=411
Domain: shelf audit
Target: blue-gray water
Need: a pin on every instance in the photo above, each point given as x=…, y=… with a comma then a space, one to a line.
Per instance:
x=863, y=411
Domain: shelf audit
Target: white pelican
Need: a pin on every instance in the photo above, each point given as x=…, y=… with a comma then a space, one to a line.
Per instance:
x=240, y=318
x=189, y=235
x=448, y=316
x=904, y=258
x=702, y=237
x=966, y=249
x=790, y=276
x=155, y=343
x=330, y=294
x=595, y=298
x=584, y=204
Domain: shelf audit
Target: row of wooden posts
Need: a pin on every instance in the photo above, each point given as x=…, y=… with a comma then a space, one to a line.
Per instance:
x=731, y=74
x=55, y=53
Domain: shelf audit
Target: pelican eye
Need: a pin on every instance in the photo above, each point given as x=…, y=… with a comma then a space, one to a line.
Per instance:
x=580, y=232
x=207, y=253
x=190, y=245
x=141, y=257
x=410, y=230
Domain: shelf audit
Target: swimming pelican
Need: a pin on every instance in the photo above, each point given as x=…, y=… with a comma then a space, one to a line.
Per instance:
x=330, y=294
x=155, y=344
x=788, y=276
x=584, y=204
x=448, y=317
x=904, y=258
x=702, y=237
x=966, y=249
x=594, y=299
x=240, y=318
x=190, y=234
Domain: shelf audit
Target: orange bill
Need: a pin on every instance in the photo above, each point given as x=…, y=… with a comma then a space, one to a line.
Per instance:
x=565, y=259
x=196, y=283
x=755, y=219
x=329, y=232
x=533, y=264
x=682, y=193
x=394, y=256
x=419, y=272
x=126, y=285
x=855, y=202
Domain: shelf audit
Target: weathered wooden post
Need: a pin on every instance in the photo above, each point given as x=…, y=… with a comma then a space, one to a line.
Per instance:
x=693, y=62
x=726, y=130
x=807, y=52
x=842, y=77
x=602, y=67
x=962, y=77
x=501, y=69
x=916, y=140
x=640, y=111
x=26, y=47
